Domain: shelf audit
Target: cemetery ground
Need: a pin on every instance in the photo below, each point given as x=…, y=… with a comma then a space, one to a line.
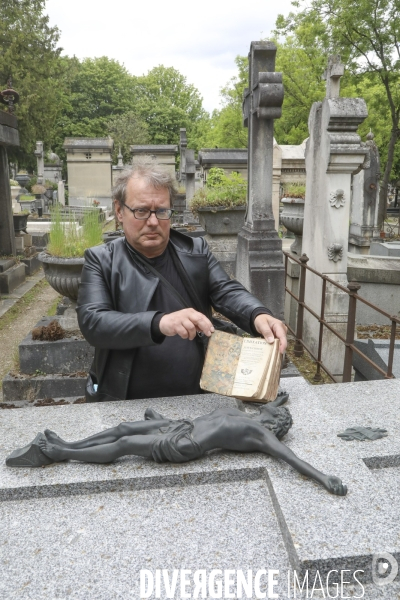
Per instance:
x=20, y=319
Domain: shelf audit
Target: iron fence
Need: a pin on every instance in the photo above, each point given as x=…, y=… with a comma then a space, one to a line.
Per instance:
x=351, y=290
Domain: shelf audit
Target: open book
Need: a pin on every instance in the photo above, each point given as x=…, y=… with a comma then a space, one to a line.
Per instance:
x=246, y=368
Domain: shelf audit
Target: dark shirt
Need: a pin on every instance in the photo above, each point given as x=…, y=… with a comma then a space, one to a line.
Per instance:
x=172, y=367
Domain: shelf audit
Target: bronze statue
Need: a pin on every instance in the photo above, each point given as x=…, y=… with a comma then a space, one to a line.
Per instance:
x=178, y=441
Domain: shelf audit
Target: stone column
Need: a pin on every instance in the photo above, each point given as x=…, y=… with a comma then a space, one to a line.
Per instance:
x=259, y=260
x=8, y=137
x=7, y=235
x=190, y=175
x=364, y=221
x=182, y=149
x=61, y=192
x=333, y=154
x=40, y=162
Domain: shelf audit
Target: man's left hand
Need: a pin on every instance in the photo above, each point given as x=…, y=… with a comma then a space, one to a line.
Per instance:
x=271, y=328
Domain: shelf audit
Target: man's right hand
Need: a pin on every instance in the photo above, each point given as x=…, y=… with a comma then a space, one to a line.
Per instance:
x=186, y=323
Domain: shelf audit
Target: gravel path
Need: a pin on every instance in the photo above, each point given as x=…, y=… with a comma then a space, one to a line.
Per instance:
x=13, y=334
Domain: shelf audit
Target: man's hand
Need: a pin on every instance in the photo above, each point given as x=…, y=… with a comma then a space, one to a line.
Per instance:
x=186, y=323
x=271, y=328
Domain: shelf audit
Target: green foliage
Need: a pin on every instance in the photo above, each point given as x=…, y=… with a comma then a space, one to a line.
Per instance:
x=126, y=130
x=225, y=127
x=294, y=190
x=215, y=177
x=14, y=183
x=366, y=35
x=97, y=90
x=165, y=100
x=29, y=53
x=223, y=191
x=65, y=239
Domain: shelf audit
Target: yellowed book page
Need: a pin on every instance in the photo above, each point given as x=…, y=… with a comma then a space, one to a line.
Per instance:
x=273, y=383
x=221, y=363
x=271, y=367
x=251, y=367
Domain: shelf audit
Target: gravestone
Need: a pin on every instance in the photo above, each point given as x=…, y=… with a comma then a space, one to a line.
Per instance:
x=52, y=167
x=49, y=370
x=385, y=248
x=61, y=192
x=224, y=511
x=378, y=351
x=364, y=210
x=259, y=264
x=333, y=154
x=89, y=165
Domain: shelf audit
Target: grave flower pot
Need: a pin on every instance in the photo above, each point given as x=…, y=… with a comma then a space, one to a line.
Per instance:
x=20, y=222
x=222, y=226
x=63, y=274
x=292, y=218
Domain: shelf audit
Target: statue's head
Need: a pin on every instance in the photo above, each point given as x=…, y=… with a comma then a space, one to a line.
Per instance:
x=276, y=418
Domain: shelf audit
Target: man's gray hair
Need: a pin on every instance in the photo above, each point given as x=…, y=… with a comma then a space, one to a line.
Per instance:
x=152, y=172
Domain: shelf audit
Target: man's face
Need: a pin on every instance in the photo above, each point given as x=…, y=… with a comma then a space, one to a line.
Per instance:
x=149, y=237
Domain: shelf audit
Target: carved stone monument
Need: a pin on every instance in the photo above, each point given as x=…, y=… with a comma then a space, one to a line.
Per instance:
x=364, y=212
x=333, y=154
x=12, y=273
x=259, y=259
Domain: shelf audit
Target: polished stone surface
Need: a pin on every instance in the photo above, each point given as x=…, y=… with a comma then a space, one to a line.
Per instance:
x=84, y=531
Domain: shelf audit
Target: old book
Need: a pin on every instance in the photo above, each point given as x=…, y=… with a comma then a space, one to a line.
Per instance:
x=246, y=368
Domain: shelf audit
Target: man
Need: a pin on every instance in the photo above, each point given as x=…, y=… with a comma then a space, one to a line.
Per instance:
x=145, y=329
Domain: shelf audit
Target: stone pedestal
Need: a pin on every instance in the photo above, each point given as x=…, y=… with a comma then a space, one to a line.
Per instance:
x=259, y=259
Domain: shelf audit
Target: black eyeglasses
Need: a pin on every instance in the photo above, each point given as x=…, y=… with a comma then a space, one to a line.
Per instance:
x=162, y=214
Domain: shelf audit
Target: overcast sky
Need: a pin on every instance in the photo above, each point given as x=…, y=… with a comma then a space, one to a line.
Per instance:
x=199, y=38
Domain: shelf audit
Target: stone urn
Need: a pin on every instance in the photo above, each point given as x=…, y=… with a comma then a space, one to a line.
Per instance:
x=64, y=276
x=222, y=226
x=20, y=222
x=292, y=218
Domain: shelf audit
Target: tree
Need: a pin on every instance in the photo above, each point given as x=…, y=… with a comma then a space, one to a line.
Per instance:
x=302, y=69
x=98, y=89
x=366, y=34
x=29, y=54
x=225, y=128
x=165, y=100
x=125, y=130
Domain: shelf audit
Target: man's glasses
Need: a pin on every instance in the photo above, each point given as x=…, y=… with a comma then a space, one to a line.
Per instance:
x=162, y=214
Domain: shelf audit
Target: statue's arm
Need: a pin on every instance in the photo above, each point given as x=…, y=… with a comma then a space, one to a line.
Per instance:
x=277, y=449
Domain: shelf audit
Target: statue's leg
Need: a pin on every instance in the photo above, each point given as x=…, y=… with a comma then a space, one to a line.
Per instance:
x=138, y=445
x=109, y=435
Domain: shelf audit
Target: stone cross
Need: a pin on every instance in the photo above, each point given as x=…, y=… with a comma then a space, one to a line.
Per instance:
x=262, y=103
x=259, y=259
x=332, y=76
x=40, y=162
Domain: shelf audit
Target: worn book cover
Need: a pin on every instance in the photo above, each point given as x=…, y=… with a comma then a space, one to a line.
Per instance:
x=246, y=368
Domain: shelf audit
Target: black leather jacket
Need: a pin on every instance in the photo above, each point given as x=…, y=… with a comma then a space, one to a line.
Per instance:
x=115, y=293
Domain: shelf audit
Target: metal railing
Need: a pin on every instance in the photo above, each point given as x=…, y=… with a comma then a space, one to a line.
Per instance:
x=351, y=290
